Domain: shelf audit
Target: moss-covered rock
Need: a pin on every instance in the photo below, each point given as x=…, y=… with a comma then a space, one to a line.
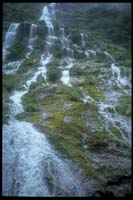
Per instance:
x=123, y=106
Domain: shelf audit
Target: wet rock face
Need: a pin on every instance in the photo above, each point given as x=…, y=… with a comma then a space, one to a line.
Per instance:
x=67, y=111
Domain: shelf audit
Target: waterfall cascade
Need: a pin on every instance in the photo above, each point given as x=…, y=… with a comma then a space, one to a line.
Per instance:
x=32, y=36
x=53, y=177
x=9, y=38
x=82, y=39
x=31, y=167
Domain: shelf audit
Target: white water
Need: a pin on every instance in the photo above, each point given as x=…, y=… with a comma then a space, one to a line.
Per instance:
x=113, y=119
x=31, y=167
x=48, y=15
x=66, y=78
x=41, y=70
x=69, y=59
x=65, y=43
x=12, y=67
x=117, y=78
x=9, y=38
x=32, y=36
x=82, y=39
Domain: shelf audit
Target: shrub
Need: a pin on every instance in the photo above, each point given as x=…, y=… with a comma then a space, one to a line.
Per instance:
x=10, y=82
x=75, y=94
x=53, y=73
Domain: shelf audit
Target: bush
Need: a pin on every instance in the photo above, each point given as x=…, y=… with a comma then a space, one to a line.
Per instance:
x=10, y=82
x=75, y=94
x=53, y=73
x=18, y=50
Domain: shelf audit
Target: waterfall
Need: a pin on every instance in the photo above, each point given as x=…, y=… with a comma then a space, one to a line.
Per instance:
x=65, y=79
x=65, y=43
x=113, y=119
x=31, y=162
x=9, y=38
x=82, y=39
x=31, y=167
x=32, y=36
x=117, y=78
x=62, y=37
x=48, y=14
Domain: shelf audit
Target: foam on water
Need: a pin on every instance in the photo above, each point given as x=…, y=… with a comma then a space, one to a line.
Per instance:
x=32, y=167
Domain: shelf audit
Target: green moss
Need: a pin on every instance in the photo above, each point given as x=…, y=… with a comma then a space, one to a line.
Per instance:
x=101, y=57
x=94, y=92
x=31, y=103
x=18, y=50
x=88, y=169
x=11, y=82
x=98, y=140
x=116, y=132
x=33, y=117
x=124, y=106
x=5, y=105
x=75, y=94
x=69, y=148
x=76, y=70
x=29, y=63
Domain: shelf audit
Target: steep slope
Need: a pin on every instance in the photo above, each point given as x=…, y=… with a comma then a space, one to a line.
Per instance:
x=68, y=81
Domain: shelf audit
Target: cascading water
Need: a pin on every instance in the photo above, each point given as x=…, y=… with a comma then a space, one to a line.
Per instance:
x=12, y=67
x=68, y=59
x=30, y=165
x=82, y=40
x=65, y=43
x=116, y=78
x=32, y=36
x=9, y=38
x=48, y=15
x=32, y=39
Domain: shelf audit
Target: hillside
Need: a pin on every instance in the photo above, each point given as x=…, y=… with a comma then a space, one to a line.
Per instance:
x=66, y=99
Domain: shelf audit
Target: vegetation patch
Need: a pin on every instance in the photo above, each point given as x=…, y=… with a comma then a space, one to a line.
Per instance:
x=53, y=71
x=124, y=106
x=94, y=92
x=5, y=106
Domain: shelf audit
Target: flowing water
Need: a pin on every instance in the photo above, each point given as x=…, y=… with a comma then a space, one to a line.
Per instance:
x=32, y=36
x=12, y=67
x=82, y=39
x=31, y=167
x=9, y=38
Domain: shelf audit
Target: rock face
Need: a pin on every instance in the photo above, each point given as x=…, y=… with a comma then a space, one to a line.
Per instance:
x=66, y=102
